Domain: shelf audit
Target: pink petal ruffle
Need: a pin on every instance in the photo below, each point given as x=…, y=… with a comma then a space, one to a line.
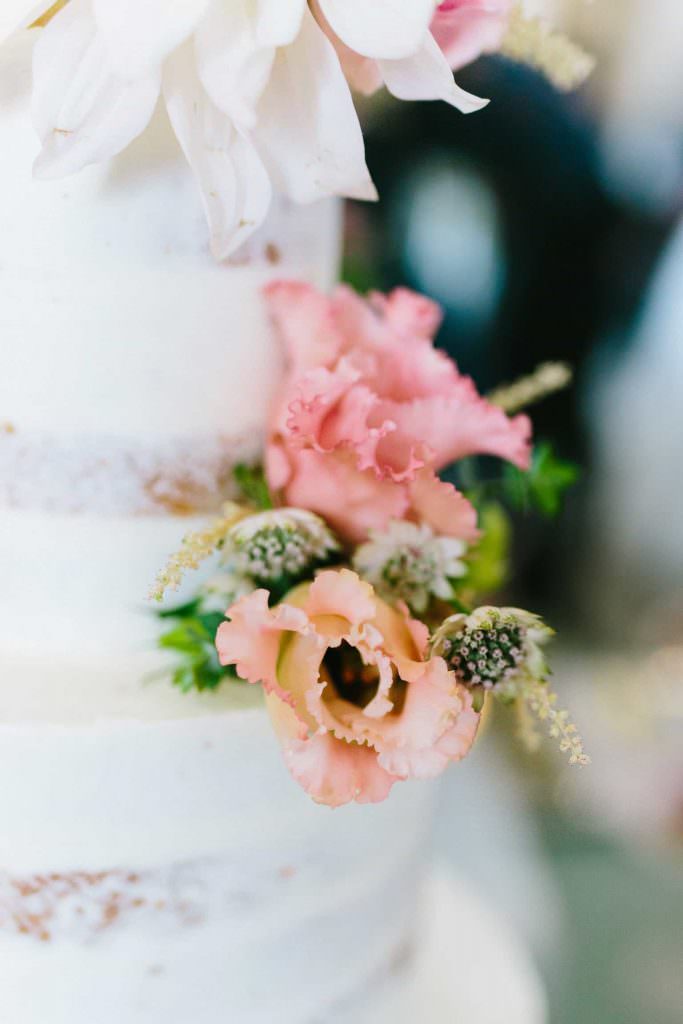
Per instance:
x=443, y=508
x=343, y=594
x=465, y=29
x=456, y=742
x=407, y=313
x=303, y=320
x=351, y=501
x=250, y=640
x=338, y=750
x=460, y=424
x=410, y=745
x=368, y=416
x=335, y=773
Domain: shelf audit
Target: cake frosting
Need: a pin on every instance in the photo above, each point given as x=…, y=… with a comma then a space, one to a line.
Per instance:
x=123, y=340
x=170, y=870
x=157, y=863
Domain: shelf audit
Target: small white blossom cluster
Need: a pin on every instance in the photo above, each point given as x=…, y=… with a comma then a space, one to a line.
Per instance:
x=410, y=563
x=280, y=545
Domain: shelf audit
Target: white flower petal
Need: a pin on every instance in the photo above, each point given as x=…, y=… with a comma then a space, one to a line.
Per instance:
x=380, y=28
x=278, y=21
x=234, y=65
x=442, y=589
x=427, y=76
x=140, y=34
x=82, y=111
x=16, y=14
x=235, y=188
x=451, y=547
x=308, y=131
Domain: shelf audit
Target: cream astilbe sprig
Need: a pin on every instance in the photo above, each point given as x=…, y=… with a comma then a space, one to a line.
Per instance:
x=499, y=650
x=547, y=379
x=196, y=548
x=532, y=42
x=543, y=702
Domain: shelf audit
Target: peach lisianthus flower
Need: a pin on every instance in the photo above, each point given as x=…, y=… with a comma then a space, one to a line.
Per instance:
x=355, y=699
x=370, y=412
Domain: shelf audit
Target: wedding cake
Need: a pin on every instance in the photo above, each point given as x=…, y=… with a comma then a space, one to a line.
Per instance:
x=156, y=861
x=163, y=859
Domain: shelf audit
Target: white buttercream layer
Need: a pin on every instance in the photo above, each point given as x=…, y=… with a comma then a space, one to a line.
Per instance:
x=77, y=587
x=206, y=885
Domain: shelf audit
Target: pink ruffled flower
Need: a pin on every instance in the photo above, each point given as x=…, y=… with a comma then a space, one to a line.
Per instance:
x=370, y=412
x=355, y=699
x=464, y=29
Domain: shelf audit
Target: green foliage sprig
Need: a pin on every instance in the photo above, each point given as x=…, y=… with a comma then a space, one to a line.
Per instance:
x=253, y=485
x=191, y=637
x=544, y=485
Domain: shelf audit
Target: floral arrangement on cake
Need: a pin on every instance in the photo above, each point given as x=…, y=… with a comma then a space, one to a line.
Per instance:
x=350, y=575
x=259, y=94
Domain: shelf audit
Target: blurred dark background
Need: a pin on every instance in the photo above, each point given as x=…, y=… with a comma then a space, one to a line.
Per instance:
x=548, y=227
x=508, y=220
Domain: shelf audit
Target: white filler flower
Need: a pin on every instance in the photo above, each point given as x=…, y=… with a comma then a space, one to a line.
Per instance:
x=281, y=545
x=254, y=90
x=410, y=563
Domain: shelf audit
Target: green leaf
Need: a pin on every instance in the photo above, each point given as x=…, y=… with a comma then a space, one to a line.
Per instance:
x=456, y=604
x=542, y=487
x=210, y=621
x=192, y=640
x=251, y=481
x=181, y=611
x=188, y=637
x=488, y=562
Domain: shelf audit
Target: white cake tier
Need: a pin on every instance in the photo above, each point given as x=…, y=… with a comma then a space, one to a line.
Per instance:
x=77, y=586
x=172, y=872
x=157, y=863
x=115, y=322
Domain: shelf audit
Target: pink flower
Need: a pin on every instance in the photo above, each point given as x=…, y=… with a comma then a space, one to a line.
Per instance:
x=424, y=73
x=460, y=31
x=464, y=29
x=370, y=412
x=353, y=696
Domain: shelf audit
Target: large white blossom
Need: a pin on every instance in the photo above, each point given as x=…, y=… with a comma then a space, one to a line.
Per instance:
x=255, y=90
